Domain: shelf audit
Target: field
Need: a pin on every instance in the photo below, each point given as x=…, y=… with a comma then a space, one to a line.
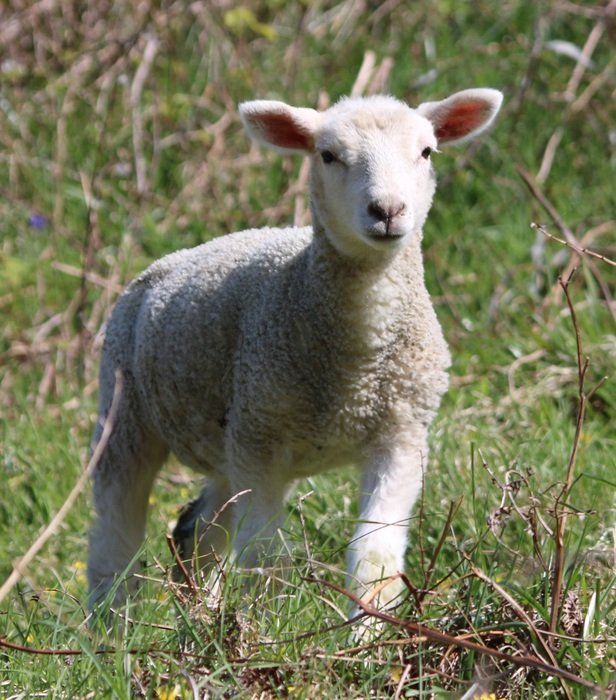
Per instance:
x=119, y=142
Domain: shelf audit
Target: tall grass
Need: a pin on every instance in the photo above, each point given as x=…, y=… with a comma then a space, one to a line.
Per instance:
x=120, y=142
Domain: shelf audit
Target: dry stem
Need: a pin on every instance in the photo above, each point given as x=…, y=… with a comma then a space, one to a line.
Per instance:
x=20, y=566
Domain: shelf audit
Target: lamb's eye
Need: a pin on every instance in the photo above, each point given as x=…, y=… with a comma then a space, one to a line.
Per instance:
x=328, y=157
x=426, y=152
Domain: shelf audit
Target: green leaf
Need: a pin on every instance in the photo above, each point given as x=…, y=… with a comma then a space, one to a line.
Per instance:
x=241, y=19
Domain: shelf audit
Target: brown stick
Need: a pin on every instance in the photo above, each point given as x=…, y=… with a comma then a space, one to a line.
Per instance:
x=523, y=615
x=560, y=513
x=459, y=641
x=20, y=566
x=576, y=247
x=136, y=88
x=538, y=194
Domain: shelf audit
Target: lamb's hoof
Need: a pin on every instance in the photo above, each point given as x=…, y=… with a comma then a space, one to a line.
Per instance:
x=184, y=531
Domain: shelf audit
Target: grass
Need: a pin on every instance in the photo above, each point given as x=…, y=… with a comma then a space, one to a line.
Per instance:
x=109, y=160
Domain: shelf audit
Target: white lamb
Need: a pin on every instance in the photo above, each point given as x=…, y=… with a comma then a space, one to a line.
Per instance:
x=273, y=354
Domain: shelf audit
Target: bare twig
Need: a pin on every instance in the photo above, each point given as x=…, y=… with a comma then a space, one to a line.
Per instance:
x=549, y=154
x=453, y=509
x=561, y=513
x=584, y=58
x=460, y=640
x=187, y=576
x=575, y=246
x=109, y=284
x=523, y=615
x=364, y=74
x=402, y=681
x=556, y=293
x=573, y=104
x=371, y=78
x=302, y=520
x=136, y=89
x=20, y=566
x=536, y=191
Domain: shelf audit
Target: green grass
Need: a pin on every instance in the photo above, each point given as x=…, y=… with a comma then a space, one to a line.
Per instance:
x=504, y=436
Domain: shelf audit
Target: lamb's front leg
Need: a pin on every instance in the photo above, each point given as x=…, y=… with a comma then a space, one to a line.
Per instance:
x=391, y=482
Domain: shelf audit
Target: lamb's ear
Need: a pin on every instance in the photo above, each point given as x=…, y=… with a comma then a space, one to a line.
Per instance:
x=276, y=124
x=463, y=115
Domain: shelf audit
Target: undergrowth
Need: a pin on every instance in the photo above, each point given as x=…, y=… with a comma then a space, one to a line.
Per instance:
x=120, y=142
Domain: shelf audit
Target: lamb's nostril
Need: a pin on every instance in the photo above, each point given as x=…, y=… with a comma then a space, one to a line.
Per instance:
x=377, y=211
x=398, y=209
x=385, y=212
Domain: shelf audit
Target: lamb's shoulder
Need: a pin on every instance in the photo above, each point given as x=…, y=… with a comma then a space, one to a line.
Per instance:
x=175, y=328
x=190, y=301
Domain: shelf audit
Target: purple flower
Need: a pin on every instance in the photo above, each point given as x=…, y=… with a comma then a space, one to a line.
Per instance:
x=38, y=221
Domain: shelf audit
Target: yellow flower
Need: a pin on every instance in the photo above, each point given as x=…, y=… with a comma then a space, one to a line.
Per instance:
x=79, y=567
x=169, y=693
x=396, y=674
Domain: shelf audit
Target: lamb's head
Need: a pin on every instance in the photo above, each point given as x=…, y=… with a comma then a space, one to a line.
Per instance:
x=372, y=180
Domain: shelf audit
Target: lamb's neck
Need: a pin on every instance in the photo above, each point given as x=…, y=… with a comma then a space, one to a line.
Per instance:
x=369, y=301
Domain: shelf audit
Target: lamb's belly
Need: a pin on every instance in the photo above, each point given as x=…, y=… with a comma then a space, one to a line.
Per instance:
x=306, y=461
x=201, y=450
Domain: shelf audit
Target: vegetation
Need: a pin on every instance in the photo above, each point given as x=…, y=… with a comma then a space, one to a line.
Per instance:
x=120, y=142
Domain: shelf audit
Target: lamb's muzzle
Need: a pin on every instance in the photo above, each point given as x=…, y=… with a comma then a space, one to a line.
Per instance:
x=385, y=216
x=319, y=346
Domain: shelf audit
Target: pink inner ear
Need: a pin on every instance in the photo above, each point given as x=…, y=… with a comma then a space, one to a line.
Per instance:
x=462, y=119
x=280, y=130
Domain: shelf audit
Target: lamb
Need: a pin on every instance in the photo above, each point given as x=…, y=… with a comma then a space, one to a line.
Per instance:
x=268, y=355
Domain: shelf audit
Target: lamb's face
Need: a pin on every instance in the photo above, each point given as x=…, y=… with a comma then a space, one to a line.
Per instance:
x=372, y=182
x=372, y=178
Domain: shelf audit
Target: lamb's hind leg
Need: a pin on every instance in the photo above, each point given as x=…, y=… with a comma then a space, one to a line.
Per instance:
x=203, y=528
x=122, y=483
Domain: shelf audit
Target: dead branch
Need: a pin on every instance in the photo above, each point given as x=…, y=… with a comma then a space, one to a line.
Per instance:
x=20, y=566
x=453, y=509
x=574, y=105
x=538, y=194
x=578, y=248
x=460, y=641
x=523, y=615
x=561, y=513
x=136, y=89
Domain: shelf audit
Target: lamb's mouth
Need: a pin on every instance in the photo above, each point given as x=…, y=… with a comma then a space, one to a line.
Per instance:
x=386, y=236
x=387, y=231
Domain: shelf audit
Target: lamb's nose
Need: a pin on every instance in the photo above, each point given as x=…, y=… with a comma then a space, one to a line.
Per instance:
x=385, y=212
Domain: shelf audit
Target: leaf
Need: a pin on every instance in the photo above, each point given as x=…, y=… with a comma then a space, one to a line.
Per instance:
x=241, y=19
x=14, y=272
